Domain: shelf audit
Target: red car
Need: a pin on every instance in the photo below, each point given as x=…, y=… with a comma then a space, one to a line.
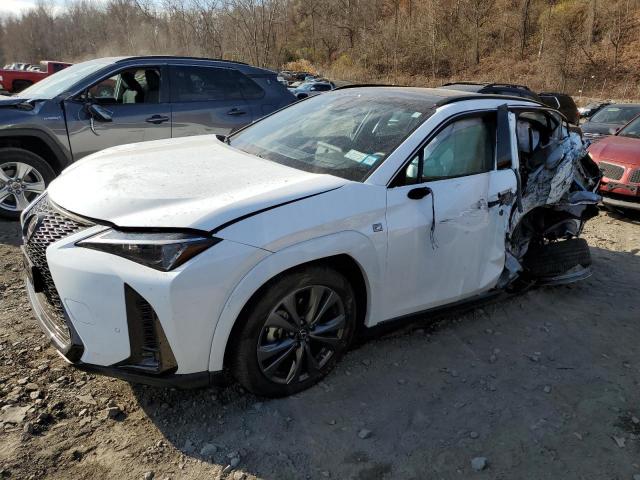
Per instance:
x=618, y=157
x=14, y=81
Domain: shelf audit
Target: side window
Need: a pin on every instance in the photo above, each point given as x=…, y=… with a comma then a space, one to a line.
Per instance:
x=463, y=147
x=198, y=84
x=250, y=89
x=135, y=85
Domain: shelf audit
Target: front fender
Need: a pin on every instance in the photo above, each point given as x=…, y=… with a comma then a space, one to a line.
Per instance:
x=351, y=243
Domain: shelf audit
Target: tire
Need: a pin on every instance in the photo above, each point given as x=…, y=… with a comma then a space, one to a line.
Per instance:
x=557, y=258
x=19, y=85
x=37, y=177
x=257, y=334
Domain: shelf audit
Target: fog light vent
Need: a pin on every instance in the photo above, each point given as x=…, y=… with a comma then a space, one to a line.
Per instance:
x=150, y=350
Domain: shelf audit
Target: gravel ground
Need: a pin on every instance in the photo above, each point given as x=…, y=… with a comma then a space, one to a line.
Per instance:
x=544, y=385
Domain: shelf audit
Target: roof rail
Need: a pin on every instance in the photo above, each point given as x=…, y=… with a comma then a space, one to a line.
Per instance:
x=358, y=85
x=487, y=84
x=512, y=85
x=465, y=83
x=178, y=57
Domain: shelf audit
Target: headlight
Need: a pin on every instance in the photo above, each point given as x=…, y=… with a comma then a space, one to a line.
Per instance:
x=162, y=251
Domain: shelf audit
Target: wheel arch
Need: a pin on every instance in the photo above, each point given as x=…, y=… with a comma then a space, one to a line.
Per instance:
x=358, y=264
x=36, y=142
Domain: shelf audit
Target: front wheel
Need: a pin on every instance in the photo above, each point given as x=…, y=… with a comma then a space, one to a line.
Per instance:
x=23, y=176
x=295, y=332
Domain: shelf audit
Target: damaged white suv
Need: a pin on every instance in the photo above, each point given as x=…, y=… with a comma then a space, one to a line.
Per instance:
x=263, y=253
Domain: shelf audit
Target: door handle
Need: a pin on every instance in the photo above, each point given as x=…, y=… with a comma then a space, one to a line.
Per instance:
x=157, y=119
x=236, y=111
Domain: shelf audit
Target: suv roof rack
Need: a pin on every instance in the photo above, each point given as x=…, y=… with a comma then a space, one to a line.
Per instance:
x=358, y=85
x=489, y=84
x=178, y=57
x=511, y=85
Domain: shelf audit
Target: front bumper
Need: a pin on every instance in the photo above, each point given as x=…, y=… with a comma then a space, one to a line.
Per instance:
x=620, y=202
x=175, y=323
x=620, y=185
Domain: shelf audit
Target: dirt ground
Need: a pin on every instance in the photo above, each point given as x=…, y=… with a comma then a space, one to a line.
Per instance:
x=544, y=385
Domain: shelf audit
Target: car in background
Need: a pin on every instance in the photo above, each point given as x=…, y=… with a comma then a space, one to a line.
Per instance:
x=294, y=77
x=560, y=101
x=618, y=157
x=17, y=66
x=14, y=81
x=106, y=102
x=309, y=89
x=172, y=262
x=591, y=108
x=563, y=103
x=513, y=90
x=607, y=120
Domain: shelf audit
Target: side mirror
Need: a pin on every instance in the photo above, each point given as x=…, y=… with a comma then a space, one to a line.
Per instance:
x=99, y=113
x=418, y=193
x=301, y=95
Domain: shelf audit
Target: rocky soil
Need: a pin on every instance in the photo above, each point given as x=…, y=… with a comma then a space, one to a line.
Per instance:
x=544, y=385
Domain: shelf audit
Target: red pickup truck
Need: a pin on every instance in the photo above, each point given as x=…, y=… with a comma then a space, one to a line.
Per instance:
x=14, y=81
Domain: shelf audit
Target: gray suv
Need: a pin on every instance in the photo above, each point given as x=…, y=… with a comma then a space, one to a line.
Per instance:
x=113, y=101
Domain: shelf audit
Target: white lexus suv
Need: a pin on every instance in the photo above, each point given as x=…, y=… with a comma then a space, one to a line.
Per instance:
x=263, y=253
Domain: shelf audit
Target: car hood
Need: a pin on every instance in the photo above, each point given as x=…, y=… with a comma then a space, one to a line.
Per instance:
x=617, y=149
x=6, y=101
x=194, y=182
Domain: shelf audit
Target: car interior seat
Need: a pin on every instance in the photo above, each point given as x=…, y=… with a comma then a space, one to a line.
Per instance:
x=153, y=86
x=134, y=93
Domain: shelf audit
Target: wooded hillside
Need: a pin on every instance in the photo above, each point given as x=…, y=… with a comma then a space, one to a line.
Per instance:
x=570, y=45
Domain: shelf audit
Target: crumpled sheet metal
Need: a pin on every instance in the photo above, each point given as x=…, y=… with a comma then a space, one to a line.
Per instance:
x=549, y=186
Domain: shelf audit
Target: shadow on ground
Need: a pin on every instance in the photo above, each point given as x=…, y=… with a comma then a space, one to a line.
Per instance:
x=537, y=383
x=10, y=232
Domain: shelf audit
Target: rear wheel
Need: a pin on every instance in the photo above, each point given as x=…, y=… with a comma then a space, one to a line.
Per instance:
x=23, y=176
x=296, y=332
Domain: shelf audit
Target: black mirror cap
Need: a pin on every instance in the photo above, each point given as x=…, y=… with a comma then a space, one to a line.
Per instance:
x=99, y=113
x=419, y=193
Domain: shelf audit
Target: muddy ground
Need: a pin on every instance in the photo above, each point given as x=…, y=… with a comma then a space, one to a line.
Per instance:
x=544, y=385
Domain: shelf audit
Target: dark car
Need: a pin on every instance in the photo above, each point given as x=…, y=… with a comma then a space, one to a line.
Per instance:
x=309, y=89
x=494, y=88
x=105, y=102
x=608, y=120
x=563, y=103
x=590, y=109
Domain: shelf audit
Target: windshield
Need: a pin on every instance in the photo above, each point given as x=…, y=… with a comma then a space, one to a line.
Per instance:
x=632, y=129
x=62, y=81
x=615, y=114
x=348, y=133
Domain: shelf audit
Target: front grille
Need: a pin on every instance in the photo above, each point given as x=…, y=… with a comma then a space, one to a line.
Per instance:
x=635, y=176
x=44, y=224
x=611, y=171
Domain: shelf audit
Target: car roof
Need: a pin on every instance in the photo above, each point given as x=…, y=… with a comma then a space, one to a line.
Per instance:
x=245, y=67
x=623, y=105
x=438, y=96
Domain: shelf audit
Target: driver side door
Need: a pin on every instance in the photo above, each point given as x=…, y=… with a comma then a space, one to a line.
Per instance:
x=137, y=101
